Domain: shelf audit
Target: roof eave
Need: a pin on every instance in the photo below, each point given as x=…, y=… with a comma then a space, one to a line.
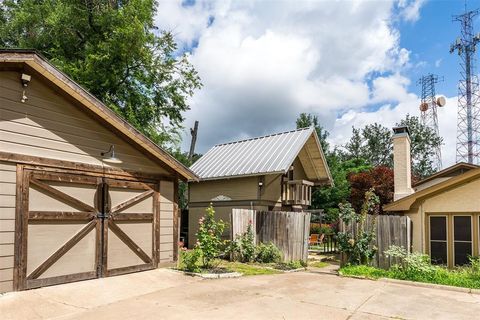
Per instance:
x=44, y=67
x=405, y=203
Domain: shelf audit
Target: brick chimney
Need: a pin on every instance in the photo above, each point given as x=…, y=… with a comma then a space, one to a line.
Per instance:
x=402, y=164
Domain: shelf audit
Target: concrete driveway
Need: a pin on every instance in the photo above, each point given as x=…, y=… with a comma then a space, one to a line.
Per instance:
x=165, y=294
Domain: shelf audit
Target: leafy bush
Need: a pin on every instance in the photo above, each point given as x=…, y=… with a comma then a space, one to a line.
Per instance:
x=359, y=246
x=243, y=247
x=247, y=245
x=267, y=253
x=209, y=237
x=412, y=265
x=189, y=260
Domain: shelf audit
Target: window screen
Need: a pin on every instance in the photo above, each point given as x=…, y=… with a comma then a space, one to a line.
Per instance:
x=438, y=240
x=462, y=239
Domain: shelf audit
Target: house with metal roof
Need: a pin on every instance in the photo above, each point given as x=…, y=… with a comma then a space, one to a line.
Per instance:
x=274, y=172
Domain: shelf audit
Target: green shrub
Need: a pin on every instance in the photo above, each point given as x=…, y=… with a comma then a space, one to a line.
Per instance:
x=412, y=265
x=267, y=253
x=209, y=237
x=243, y=247
x=315, y=230
x=358, y=246
x=189, y=260
x=247, y=244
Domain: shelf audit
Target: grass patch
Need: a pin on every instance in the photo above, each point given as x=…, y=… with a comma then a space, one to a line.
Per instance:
x=461, y=277
x=318, y=264
x=248, y=269
x=365, y=271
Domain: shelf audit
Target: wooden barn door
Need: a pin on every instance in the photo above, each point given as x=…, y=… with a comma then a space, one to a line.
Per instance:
x=77, y=227
x=60, y=228
x=131, y=230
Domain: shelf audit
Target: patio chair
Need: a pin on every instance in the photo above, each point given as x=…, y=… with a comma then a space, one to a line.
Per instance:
x=313, y=240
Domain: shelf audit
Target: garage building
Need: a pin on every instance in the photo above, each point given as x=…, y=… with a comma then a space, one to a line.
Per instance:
x=82, y=193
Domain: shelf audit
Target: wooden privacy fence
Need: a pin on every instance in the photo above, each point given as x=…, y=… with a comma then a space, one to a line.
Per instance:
x=389, y=230
x=287, y=230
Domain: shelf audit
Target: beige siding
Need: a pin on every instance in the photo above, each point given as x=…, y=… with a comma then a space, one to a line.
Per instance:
x=167, y=200
x=7, y=224
x=417, y=233
x=272, y=188
x=298, y=171
x=236, y=189
x=50, y=126
x=460, y=199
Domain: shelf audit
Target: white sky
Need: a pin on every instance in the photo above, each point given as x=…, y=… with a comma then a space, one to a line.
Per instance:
x=262, y=63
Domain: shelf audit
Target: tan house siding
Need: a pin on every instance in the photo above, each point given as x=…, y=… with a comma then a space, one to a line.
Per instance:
x=272, y=188
x=7, y=224
x=50, y=126
x=460, y=199
x=298, y=171
x=235, y=188
x=166, y=221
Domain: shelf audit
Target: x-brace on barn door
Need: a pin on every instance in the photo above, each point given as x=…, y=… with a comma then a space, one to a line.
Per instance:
x=76, y=227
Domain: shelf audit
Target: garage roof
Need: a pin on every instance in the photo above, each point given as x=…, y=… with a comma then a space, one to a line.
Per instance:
x=87, y=100
x=265, y=155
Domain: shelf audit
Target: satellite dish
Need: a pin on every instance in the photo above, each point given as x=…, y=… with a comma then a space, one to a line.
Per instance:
x=441, y=101
x=423, y=106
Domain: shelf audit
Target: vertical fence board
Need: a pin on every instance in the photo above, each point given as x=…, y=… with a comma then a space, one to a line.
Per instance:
x=389, y=230
x=287, y=230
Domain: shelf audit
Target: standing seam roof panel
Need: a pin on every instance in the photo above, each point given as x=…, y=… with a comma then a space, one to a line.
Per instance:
x=273, y=153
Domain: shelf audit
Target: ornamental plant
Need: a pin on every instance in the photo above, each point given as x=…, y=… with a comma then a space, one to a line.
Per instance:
x=243, y=247
x=356, y=241
x=209, y=237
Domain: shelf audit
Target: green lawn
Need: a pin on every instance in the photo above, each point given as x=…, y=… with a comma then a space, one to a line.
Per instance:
x=461, y=277
x=318, y=264
x=248, y=269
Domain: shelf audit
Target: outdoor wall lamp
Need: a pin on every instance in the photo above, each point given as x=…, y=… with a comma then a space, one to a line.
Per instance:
x=111, y=158
x=25, y=78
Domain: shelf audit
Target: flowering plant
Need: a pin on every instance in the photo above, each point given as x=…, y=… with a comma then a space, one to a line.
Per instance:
x=209, y=237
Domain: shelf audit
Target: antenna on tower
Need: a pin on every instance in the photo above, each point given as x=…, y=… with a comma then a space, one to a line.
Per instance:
x=468, y=118
x=428, y=107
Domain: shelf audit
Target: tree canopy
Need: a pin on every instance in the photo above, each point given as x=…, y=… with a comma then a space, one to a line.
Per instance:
x=366, y=162
x=374, y=144
x=113, y=49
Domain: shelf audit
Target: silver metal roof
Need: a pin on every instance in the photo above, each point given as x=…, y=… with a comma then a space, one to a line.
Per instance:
x=268, y=154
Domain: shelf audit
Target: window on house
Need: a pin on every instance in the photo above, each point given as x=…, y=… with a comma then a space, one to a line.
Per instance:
x=438, y=239
x=462, y=239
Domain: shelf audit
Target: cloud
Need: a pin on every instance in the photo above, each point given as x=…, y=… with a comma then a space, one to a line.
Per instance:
x=263, y=63
x=410, y=9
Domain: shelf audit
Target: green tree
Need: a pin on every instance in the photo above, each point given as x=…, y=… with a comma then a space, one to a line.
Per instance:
x=328, y=198
x=424, y=143
x=113, y=49
x=374, y=144
x=306, y=120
